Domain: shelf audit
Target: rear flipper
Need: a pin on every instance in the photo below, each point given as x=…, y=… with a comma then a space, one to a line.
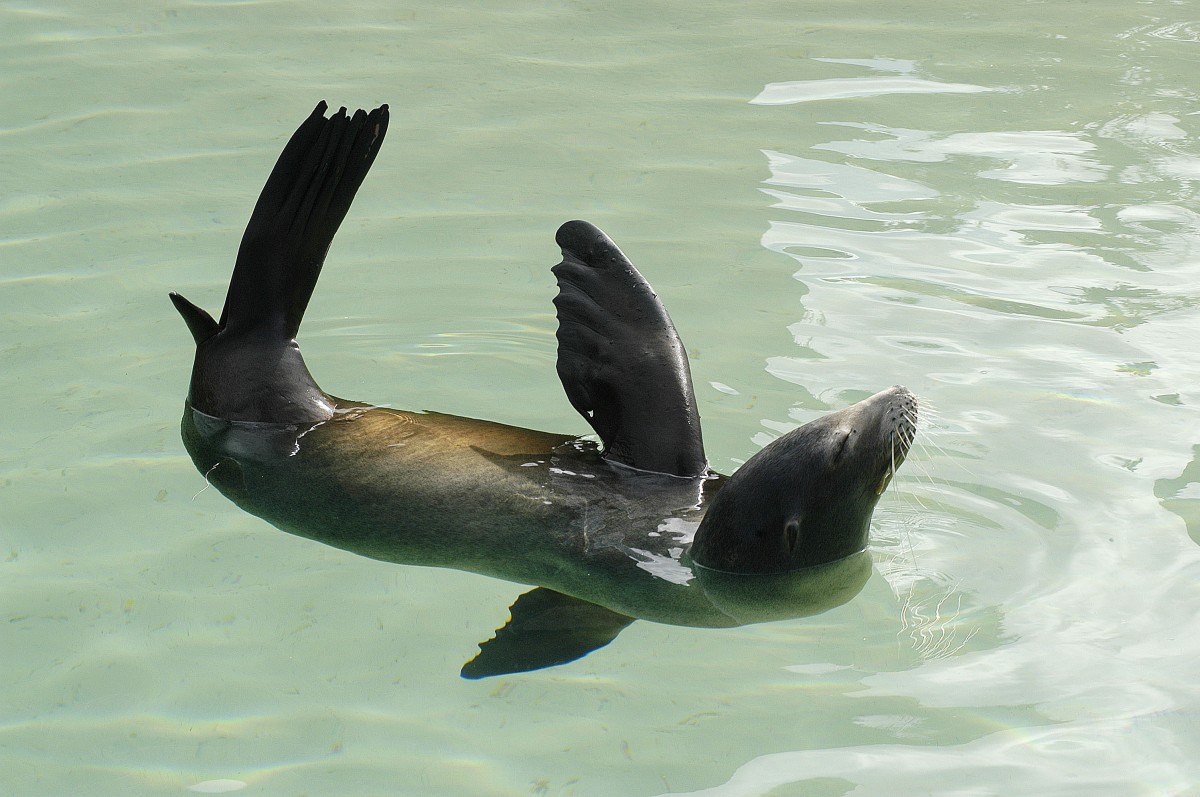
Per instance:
x=620, y=359
x=248, y=367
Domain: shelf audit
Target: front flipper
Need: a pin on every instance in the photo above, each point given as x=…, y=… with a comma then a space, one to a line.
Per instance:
x=547, y=628
x=620, y=359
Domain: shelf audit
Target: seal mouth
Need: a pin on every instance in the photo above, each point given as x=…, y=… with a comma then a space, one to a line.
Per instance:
x=902, y=431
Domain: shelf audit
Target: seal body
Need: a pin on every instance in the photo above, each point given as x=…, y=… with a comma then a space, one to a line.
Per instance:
x=636, y=527
x=512, y=503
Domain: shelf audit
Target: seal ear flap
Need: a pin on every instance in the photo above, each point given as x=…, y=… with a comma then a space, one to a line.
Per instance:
x=791, y=534
x=199, y=322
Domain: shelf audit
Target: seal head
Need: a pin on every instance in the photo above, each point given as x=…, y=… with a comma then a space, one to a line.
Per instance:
x=807, y=498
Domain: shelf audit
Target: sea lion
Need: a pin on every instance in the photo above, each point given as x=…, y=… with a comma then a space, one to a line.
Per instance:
x=637, y=527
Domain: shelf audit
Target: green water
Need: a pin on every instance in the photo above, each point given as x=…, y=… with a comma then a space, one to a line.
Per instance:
x=993, y=204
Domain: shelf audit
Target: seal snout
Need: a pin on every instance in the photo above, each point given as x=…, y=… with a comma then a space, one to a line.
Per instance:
x=899, y=428
x=902, y=416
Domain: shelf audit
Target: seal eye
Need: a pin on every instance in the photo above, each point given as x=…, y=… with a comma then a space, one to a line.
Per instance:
x=791, y=533
x=842, y=443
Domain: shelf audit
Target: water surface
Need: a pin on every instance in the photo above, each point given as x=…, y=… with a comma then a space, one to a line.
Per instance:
x=994, y=205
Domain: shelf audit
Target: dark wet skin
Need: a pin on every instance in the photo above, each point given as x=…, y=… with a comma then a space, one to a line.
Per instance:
x=444, y=491
x=637, y=528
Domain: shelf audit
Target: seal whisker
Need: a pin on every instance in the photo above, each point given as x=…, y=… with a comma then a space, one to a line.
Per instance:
x=929, y=443
x=916, y=474
x=925, y=478
x=928, y=407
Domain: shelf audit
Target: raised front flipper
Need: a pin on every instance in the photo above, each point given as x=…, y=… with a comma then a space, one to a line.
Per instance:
x=547, y=628
x=248, y=367
x=620, y=359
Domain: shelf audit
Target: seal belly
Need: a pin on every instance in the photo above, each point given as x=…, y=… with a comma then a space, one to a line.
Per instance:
x=445, y=491
x=392, y=485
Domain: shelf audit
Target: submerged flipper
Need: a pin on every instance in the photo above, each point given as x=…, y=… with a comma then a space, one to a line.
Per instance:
x=620, y=359
x=248, y=367
x=546, y=628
